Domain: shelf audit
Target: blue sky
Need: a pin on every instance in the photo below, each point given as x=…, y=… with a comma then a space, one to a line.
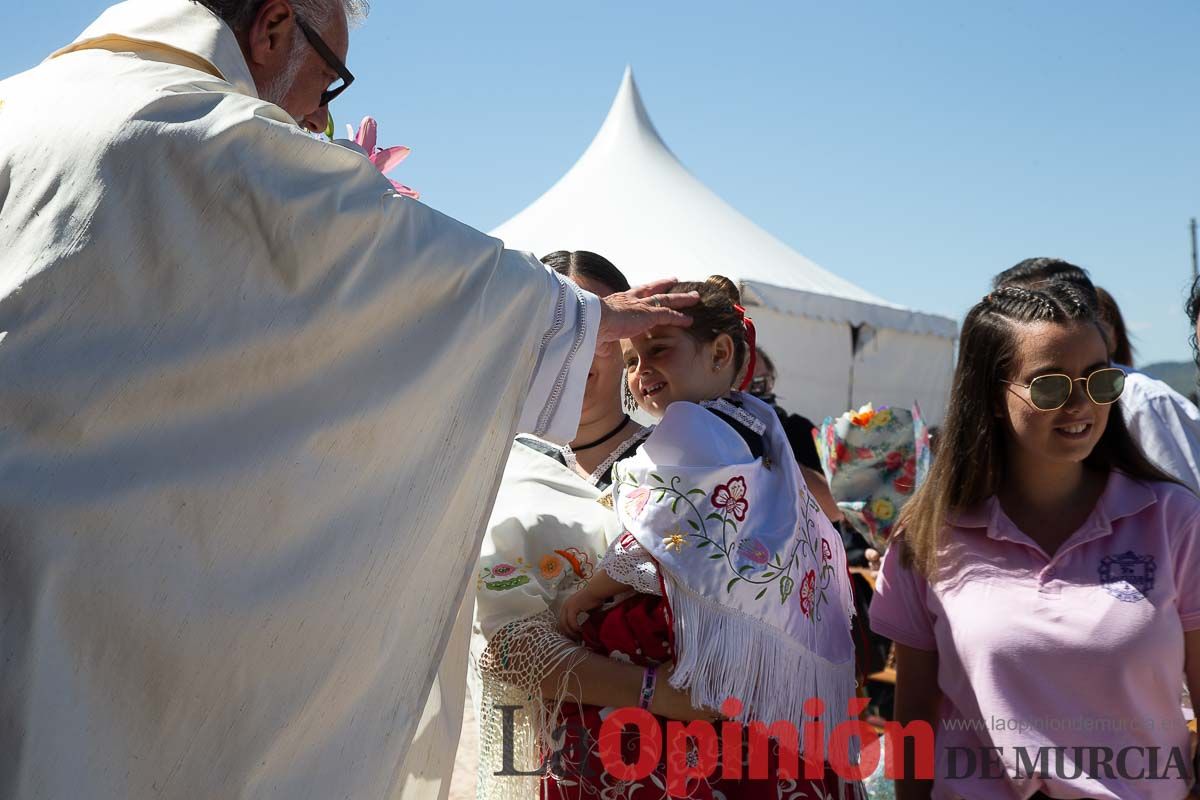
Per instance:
x=915, y=148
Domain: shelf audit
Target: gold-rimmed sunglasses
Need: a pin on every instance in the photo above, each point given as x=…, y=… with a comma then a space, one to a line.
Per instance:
x=1051, y=392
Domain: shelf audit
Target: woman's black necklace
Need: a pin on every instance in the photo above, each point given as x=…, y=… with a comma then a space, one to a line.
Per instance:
x=605, y=437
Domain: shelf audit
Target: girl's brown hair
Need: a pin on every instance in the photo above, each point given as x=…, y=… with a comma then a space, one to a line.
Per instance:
x=716, y=314
x=971, y=446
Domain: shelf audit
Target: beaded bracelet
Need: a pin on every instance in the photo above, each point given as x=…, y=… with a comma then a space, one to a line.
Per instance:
x=648, y=683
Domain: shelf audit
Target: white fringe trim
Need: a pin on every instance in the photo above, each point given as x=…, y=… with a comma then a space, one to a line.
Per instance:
x=721, y=653
x=533, y=723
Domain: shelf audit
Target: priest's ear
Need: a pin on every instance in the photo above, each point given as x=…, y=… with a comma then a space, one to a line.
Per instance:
x=269, y=39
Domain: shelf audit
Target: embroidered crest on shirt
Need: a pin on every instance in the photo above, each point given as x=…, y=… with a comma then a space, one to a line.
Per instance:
x=1127, y=577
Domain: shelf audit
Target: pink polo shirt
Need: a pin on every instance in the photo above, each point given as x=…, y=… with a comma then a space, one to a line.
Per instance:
x=1079, y=652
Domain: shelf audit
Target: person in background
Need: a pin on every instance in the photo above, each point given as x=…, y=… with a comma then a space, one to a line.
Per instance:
x=799, y=432
x=1042, y=547
x=1164, y=423
x=1192, y=309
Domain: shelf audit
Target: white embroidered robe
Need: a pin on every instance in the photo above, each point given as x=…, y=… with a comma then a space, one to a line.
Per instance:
x=254, y=409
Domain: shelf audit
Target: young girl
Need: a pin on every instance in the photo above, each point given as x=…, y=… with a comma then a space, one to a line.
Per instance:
x=1044, y=590
x=722, y=542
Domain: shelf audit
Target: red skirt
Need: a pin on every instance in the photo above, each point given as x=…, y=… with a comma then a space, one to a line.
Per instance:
x=638, y=630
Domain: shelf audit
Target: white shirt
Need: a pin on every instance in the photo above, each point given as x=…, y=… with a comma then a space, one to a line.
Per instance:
x=1165, y=424
x=254, y=409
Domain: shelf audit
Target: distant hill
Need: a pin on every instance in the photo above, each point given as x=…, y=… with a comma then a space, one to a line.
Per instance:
x=1179, y=375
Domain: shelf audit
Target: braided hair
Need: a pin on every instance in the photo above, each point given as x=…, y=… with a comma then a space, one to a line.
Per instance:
x=971, y=452
x=1038, y=273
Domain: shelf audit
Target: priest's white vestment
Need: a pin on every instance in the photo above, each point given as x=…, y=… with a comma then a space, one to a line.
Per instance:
x=254, y=409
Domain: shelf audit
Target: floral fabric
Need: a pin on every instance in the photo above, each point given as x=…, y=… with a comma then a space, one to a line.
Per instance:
x=874, y=460
x=754, y=572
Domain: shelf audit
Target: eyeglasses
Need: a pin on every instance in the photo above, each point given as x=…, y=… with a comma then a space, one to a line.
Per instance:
x=332, y=60
x=1051, y=392
x=763, y=384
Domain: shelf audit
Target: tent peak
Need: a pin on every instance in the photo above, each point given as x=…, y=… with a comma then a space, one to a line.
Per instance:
x=628, y=123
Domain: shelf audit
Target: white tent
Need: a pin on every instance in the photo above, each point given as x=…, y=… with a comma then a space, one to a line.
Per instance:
x=835, y=345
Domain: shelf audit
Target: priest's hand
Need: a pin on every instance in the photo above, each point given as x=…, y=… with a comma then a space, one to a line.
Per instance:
x=628, y=314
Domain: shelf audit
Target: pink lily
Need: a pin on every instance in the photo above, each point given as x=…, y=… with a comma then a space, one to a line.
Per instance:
x=385, y=159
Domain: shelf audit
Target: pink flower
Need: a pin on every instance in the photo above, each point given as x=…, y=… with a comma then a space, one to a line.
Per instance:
x=910, y=467
x=864, y=453
x=895, y=460
x=808, y=588
x=385, y=159
x=826, y=553
x=732, y=497
x=754, y=550
x=501, y=570
x=903, y=484
x=636, y=501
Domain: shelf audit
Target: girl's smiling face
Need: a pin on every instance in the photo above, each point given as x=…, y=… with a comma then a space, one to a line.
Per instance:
x=668, y=365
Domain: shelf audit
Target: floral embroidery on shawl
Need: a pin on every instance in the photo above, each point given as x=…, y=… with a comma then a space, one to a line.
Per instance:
x=732, y=498
x=748, y=560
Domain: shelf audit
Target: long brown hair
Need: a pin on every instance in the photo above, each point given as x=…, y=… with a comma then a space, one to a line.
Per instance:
x=1110, y=312
x=971, y=448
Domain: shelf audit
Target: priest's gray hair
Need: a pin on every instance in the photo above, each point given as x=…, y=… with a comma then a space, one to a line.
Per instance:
x=238, y=14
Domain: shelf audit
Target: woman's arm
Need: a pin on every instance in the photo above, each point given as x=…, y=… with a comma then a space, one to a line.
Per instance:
x=917, y=698
x=534, y=656
x=598, y=680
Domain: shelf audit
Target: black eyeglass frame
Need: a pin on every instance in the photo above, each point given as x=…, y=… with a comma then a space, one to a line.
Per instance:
x=332, y=60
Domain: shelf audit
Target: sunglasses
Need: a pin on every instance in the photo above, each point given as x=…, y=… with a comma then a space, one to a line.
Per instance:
x=332, y=60
x=1051, y=392
x=761, y=385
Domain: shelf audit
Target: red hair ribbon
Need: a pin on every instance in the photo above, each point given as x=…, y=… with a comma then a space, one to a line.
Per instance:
x=751, y=345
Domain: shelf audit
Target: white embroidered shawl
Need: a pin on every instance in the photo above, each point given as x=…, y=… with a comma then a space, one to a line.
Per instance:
x=754, y=572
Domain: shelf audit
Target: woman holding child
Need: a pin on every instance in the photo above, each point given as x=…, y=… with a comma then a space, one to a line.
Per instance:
x=688, y=566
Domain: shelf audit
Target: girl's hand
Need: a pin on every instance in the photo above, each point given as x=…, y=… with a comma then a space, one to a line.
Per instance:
x=581, y=602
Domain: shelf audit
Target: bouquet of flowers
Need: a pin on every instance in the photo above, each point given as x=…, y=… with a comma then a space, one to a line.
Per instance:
x=874, y=460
